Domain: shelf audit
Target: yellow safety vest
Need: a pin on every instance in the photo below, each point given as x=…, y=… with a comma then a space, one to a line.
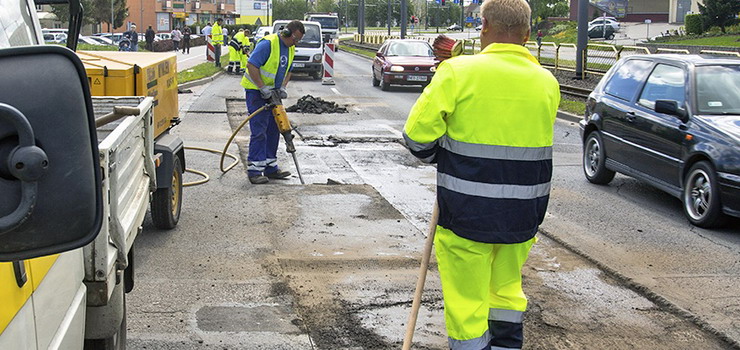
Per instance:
x=217, y=35
x=487, y=121
x=268, y=71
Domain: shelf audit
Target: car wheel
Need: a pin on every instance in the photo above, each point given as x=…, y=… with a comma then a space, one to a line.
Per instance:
x=384, y=86
x=594, y=160
x=316, y=75
x=701, y=202
x=376, y=82
x=610, y=37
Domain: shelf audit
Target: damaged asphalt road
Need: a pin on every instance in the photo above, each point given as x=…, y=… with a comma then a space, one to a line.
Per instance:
x=285, y=266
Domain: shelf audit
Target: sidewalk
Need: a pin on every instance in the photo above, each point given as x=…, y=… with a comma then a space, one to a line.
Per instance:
x=196, y=56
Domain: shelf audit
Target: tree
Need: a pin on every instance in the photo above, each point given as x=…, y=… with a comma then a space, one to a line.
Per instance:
x=100, y=12
x=289, y=9
x=62, y=12
x=326, y=6
x=542, y=9
x=719, y=13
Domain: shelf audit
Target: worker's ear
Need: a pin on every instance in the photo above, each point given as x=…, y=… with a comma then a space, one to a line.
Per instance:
x=50, y=181
x=526, y=36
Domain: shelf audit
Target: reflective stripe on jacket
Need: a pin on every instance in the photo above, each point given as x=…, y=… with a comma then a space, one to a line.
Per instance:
x=217, y=35
x=487, y=121
x=268, y=71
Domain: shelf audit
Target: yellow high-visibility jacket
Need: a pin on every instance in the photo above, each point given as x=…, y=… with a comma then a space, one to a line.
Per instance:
x=268, y=71
x=487, y=121
x=217, y=35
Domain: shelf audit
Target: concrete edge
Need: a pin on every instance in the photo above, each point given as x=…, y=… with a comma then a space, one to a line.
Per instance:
x=200, y=81
x=646, y=292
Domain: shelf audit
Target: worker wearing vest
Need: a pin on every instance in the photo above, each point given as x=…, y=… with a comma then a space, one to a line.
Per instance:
x=268, y=69
x=235, y=52
x=217, y=39
x=487, y=120
x=246, y=48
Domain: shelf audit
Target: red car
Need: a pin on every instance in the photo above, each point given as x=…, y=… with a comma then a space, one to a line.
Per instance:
x=403, y=62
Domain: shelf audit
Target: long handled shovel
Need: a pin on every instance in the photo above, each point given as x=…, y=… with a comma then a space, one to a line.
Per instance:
x=411, y=324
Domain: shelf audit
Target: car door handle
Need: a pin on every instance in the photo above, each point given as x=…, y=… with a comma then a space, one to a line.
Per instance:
x=631, y=117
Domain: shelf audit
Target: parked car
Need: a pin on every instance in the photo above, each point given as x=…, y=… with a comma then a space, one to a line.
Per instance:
x=101, y=40
x=608, y=21
x=479, y=27
x=454, y=27
x=403, y=62
x=672, y=121
x=162, y=36
x=599, y=31
x=90, y=41
x=55, y=38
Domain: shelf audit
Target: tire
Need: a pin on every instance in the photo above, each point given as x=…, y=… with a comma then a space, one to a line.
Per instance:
x=376, y=82
x=316, y=75
x=610, y=37
x=384, y=86
x=594, y=160
x=167, y=202
x=701, y=202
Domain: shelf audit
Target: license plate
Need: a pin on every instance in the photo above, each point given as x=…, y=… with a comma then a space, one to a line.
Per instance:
x=416, y=78
x=299, y=65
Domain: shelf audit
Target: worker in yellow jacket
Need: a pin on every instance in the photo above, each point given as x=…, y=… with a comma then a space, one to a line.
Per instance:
x=217, y=39
x=487, y=120
x=236, y=52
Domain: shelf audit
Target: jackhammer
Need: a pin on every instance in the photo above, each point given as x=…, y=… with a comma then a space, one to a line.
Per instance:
x=283, y=124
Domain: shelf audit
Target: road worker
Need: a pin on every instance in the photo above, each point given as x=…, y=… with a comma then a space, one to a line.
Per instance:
x=217, y=39
x=487, y=120
x=246, y=48
x=235, y=52
x=268, y=69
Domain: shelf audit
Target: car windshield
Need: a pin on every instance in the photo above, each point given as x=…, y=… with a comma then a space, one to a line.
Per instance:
x=718, y=89
x=410, y=49
x=312, y=38
x=326, y=22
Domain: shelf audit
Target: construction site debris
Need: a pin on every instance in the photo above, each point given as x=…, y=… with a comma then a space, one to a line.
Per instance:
x=310, y=104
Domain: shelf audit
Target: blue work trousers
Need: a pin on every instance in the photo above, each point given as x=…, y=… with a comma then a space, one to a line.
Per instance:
x=263, y=143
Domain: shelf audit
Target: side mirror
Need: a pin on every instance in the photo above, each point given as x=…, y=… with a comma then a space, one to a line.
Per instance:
x=50, y=181
x=671, y=107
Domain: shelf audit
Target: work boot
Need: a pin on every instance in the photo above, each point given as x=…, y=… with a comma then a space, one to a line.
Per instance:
x=280, y=174
x=259, y=179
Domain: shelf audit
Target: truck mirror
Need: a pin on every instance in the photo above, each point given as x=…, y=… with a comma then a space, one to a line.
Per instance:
x=50, y=181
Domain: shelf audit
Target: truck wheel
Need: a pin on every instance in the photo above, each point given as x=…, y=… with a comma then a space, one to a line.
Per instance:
x=167, y=202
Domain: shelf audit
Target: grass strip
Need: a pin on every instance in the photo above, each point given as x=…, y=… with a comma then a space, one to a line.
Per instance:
x=367, y=53
x=575, y=107
x=201, y=71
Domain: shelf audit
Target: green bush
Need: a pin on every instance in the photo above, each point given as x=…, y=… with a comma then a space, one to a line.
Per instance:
x=694, y=24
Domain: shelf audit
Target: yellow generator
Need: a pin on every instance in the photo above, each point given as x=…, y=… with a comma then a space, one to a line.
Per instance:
x=114, y=73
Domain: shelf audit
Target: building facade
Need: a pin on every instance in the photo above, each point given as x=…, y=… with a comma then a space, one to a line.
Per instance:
x=672, y=11
x=257, y=12
x=165, y=15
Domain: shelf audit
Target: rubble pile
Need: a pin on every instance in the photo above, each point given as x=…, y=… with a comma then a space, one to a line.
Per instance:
x=310, y=104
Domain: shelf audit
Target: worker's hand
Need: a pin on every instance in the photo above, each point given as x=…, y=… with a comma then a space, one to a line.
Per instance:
x=283, y=93
x=265, y=92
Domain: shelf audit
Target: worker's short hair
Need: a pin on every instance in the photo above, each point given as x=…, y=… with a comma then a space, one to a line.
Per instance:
x=507, y=16
x=296, y=25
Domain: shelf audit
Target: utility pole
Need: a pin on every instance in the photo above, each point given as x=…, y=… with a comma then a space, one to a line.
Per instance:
x=582, y=36
x=389, y=17
x=361, y=20
x=426, y=14
x=404, y=18
x=111, y=19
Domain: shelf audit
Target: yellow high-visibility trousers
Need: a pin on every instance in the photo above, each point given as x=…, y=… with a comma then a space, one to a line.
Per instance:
x=482, y=288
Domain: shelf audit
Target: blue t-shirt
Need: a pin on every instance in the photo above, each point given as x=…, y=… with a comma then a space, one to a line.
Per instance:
x=261, y=54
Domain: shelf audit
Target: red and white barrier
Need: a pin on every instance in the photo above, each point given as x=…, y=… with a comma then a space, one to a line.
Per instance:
x=210, y=50
x=328, y=64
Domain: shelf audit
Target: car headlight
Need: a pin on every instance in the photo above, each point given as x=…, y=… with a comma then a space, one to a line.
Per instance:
x=317, y=57
x=396, y=69
x=432, y=69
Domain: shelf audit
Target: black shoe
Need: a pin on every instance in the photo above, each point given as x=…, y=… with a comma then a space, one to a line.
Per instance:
x=280, y=174
x=258, y=180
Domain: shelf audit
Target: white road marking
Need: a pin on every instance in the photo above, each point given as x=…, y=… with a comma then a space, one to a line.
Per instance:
x=336, y=91
x=392, y=130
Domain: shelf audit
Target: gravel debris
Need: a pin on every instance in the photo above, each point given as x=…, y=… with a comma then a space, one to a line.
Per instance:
x=315, y=105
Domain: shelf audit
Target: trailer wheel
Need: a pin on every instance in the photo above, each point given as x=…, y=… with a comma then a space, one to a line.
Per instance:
x=167, y=202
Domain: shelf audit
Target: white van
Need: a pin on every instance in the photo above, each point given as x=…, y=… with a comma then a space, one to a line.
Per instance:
x=309, y=51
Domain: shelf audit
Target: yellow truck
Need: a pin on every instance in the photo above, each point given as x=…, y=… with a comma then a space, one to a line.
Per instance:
x=77, y=175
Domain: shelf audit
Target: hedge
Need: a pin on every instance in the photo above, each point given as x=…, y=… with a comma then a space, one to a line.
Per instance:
x=694, y=24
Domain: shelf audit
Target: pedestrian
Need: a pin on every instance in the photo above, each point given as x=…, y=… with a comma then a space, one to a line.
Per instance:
x=268, y=69
x=149, y=37
x=217, y=37
x=176, y=37
x=235, y=53
x=186, y=39
x=539, y=38
x=487, y=120
x=206, y=31
x=133, y=37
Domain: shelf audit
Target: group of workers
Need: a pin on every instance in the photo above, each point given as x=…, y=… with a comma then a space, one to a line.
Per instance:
x=486, y=121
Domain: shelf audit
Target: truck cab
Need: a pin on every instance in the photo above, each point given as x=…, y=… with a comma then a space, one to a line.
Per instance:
x=329, y=26
x=309, y=51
